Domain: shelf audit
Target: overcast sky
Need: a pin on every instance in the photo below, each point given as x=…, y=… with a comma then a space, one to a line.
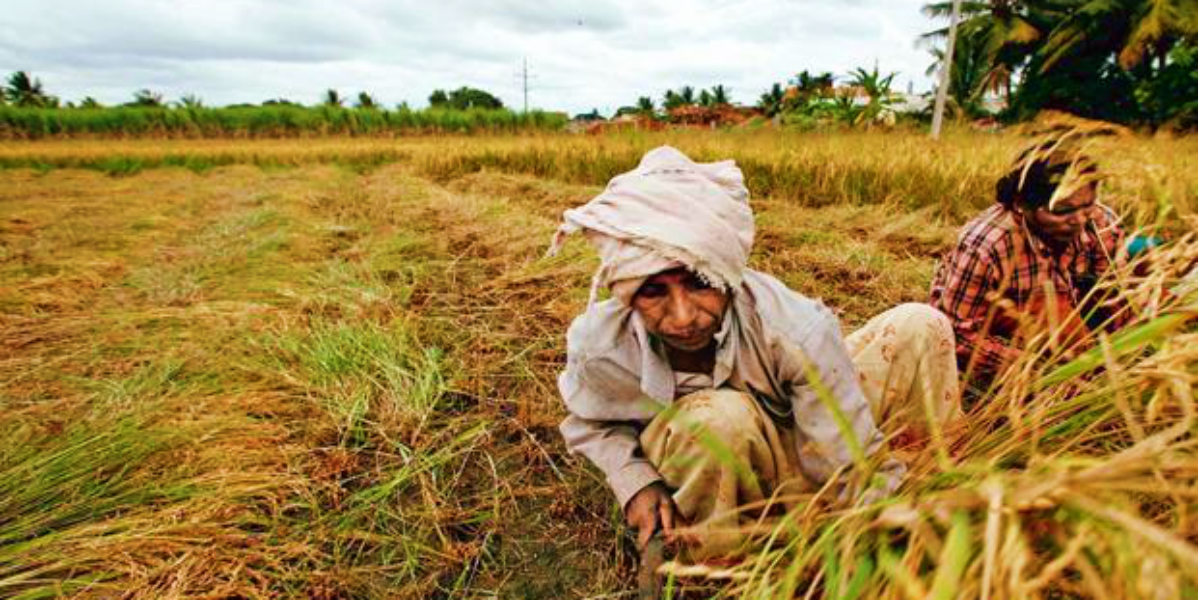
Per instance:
x=581, y=53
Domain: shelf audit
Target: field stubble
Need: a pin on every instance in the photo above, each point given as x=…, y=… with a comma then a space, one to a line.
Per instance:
x=337, y=380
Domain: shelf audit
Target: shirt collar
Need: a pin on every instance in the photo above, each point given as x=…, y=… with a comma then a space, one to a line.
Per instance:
x=658, y=380
x=726, y=344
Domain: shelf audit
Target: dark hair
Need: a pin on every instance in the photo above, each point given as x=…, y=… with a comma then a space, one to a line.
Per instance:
x=1033, y=177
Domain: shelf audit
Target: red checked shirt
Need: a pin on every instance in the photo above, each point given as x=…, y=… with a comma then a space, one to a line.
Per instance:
x=998, y=257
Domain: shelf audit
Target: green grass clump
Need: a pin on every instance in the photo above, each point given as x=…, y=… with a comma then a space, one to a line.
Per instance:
x=87, y=483
x=365, y=376
x=57, y=487
x=384, y=452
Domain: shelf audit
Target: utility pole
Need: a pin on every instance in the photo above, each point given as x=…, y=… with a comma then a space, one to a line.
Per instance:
x=944, y=76
x=524, y=76
x=525, y=81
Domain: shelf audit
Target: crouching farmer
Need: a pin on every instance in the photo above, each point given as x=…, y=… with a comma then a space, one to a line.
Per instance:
x=702, y=387
x=1029, y=263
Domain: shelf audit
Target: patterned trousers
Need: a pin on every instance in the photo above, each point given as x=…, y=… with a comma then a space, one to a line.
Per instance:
x=724, y=458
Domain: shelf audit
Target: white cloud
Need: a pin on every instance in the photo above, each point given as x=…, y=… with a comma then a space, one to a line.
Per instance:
x=583, y=53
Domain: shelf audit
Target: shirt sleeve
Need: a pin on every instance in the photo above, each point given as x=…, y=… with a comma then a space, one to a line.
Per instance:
x=960, y=292
x=825, y=450
x=612, y=446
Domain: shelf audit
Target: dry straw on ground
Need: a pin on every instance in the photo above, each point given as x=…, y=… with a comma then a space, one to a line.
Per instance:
x=332, y=375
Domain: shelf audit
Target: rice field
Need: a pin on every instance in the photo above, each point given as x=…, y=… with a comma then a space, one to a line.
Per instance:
x=325, y=368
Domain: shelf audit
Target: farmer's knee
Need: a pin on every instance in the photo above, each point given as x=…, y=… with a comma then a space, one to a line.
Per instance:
x=921, y=326
x=726, y=415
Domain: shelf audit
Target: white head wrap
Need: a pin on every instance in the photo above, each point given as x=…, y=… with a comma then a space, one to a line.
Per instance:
x=666, y=213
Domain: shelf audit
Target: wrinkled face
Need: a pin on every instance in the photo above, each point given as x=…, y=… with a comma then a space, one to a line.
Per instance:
x=681, y=309
x=1067, y=220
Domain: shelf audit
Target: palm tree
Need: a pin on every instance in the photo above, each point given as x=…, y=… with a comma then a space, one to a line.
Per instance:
x=645, y=105
x=771, y=100
x=809, y=85
x=671, y=100
x=191, y=101
x=365, y=101
x=146, y=99
x=970, y=76
x=720, y=95
x=706, y=99
x=878, y=88
x=332, y=98
x=26, y=91
x=876, y=85
x=1000, y=22
x=1098, y=58
x=824, y=82
x=1005, y=32
x=687, y=95
x=1157, y=27
x=1132, y=29
x=843, y=108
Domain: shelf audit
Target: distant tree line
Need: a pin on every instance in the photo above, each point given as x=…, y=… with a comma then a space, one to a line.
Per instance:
x=1127, y=61
x=464, y=98
x=28, y=111
x=716, y=96
x=25, y=91
x=808, y=99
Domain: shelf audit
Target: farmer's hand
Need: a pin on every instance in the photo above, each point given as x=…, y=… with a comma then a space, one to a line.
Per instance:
x=649, y=508
x=1067, y=331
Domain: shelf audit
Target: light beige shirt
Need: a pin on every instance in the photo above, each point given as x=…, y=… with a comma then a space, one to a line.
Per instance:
x=617, y=379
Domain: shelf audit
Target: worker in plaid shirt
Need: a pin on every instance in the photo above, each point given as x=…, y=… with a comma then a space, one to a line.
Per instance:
x=1038, y=251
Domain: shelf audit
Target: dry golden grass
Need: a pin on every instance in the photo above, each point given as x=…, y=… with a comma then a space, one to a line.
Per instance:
x=336, y=379
x=906, y=169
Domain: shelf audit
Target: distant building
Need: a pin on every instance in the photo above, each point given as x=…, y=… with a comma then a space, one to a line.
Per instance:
x=912, y=103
